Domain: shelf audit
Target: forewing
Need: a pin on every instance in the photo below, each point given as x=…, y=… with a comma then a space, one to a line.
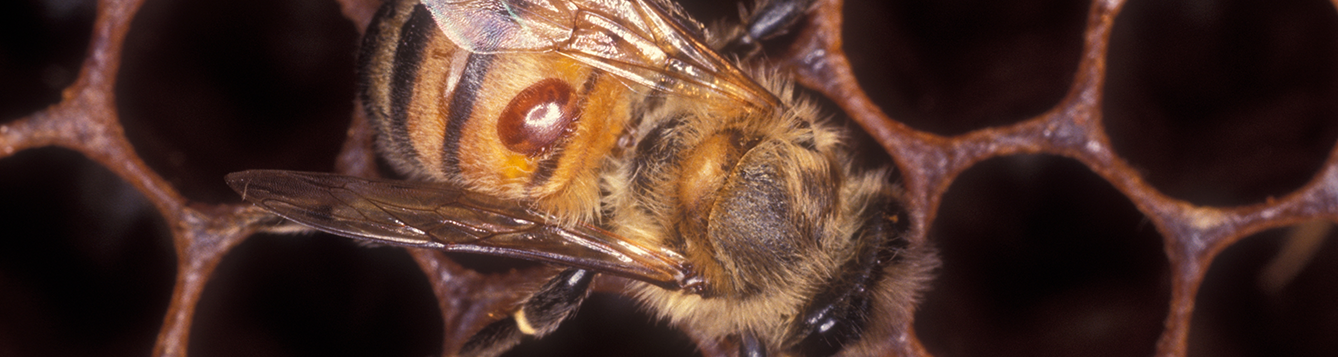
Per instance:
x=637, y=40
x=428, y=215
x=493, y=26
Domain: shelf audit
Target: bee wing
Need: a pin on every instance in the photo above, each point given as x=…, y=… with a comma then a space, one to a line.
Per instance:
x=638, y=40
x=428, y=215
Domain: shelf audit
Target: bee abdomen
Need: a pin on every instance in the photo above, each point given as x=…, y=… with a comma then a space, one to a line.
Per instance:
x=378, y=75
x=419, y=89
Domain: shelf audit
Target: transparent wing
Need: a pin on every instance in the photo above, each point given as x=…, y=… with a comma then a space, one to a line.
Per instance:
x=634, y=39
x=428, y=215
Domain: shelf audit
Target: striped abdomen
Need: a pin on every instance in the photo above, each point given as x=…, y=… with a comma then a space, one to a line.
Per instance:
x=532, y=126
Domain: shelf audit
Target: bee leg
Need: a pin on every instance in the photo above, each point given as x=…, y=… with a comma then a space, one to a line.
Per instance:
x=831, y=321
x=769, y=20
x=749, y=346
x=837, y=315
x=557, y=300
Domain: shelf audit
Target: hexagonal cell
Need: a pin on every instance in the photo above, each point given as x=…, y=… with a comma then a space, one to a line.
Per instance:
x=87, y=265
x=1041, y=257
x=950, y=67
x=209, y=88
x=1253, y=302
x=314, y=295
x=1225, y=102
x=42, y=44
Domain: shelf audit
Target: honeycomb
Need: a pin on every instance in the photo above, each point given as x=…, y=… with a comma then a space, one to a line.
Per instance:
x=1089, y=172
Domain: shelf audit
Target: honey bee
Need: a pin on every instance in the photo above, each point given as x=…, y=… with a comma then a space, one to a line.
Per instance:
x=608, y=137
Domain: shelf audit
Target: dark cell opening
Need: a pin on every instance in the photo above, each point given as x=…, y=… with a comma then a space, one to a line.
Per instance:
x=1224, y=102
x=207, y=88
x=316, y=295
x=950, y=67
x=42, y=45
x=1249, y=306
x=87, y=265
x=1041, y=257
